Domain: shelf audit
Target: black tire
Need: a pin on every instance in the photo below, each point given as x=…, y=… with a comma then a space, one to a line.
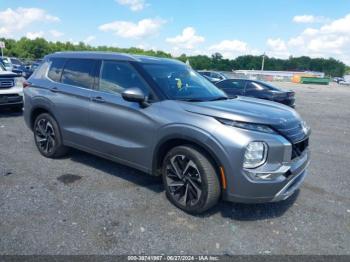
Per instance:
x=200, y=174
x=47, y=135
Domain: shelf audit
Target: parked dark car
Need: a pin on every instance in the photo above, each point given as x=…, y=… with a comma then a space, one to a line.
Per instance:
x=257, y=89
x=20, y=68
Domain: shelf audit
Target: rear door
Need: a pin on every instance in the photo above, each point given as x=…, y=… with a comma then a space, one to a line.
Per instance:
x=121, y=129
x=232, y=87
x=71, y=87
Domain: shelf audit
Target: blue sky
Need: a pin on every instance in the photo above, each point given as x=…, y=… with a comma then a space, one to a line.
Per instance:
x=278, y=27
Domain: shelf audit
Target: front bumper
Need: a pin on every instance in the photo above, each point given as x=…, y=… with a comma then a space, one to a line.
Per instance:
x=10, y=99
x=285, y=176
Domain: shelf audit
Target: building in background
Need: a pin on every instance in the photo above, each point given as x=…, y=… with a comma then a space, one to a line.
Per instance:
x=264, y=75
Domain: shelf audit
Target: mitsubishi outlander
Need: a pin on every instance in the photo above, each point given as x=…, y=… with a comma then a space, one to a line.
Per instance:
x=160, y=116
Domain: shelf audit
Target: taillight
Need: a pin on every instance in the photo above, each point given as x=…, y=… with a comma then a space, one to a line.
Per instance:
x=26, y=84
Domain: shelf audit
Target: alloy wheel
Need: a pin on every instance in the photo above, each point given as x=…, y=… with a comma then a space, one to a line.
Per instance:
x=45, y=136
x=183, y=180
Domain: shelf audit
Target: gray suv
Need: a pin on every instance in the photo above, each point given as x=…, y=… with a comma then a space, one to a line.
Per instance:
x=161, y=117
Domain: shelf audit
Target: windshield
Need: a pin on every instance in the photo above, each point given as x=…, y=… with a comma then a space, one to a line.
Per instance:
x=4, y=62
x=2, y=68
x=15, y=61
x=181, y=82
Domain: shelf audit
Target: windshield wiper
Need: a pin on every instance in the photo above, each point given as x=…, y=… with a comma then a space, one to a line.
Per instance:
x=219, y=98
x=191, y=100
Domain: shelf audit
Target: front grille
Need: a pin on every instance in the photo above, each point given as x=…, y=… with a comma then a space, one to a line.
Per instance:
x=299, y=148
x=6, y=83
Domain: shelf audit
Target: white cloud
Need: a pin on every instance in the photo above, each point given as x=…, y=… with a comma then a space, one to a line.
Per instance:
x=329, y=40
x=89, y=39
x=277, y=44
x=14, y=20
x=307, y=19
x=34, y=35
x=134, y=5
x=277, y=48
x=187, y=39
x=55, y=33
x=232, y=48
x=310, y=32
x=143, y=28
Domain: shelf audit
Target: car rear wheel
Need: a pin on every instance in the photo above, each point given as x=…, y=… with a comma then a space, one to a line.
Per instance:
x=190, y=179
x=47, y=137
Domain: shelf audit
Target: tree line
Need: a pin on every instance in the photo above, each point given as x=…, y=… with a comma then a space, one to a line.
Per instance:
x=39, y=47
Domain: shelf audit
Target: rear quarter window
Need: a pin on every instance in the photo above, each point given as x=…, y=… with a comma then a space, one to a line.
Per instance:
x=78, y=72
x=56, y=69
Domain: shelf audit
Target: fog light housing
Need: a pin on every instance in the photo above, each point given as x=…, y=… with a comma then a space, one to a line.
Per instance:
x=255, y=154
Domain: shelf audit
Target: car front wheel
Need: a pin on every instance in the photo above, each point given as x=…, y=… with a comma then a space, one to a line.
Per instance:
x=190, y=179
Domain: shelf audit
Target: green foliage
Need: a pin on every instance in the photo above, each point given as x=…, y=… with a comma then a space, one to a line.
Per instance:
x=330, y=66
x=347, y=70
x=39, y=47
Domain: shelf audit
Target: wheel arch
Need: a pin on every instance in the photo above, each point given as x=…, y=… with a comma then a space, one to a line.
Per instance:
x=172, y=141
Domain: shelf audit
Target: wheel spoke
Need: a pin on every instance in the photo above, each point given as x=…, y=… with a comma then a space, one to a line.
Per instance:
x=177, y=184
x=198, y=190
x=175, y=167
x=42, y=140
x=183, y=199
x=188, y=165
x=46, y=147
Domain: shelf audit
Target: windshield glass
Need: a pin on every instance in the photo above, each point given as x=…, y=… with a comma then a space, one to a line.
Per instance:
x=4, y=62
x=181, y=82
x=2, y=68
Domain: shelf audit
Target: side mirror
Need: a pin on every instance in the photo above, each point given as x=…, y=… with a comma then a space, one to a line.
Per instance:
x=135, y=94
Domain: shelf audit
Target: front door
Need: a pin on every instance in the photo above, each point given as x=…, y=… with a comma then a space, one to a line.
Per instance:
x=121, y=129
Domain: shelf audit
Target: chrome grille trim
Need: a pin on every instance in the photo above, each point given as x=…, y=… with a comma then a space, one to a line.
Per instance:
x=7, y=82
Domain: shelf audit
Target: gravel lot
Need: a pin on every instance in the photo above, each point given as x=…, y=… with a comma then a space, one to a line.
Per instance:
x=105, y=208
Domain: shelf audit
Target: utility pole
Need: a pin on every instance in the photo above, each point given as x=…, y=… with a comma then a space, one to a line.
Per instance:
x=2, y=46
x=263, y=62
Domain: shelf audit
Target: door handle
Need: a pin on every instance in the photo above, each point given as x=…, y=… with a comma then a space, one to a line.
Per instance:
x=54, y=90
x=98, y=99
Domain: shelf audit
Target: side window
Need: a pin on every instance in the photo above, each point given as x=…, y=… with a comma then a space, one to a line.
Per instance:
x=56, y=69
x=251, y=86
x=232, y=84
x=78, y=72
x=116, y=76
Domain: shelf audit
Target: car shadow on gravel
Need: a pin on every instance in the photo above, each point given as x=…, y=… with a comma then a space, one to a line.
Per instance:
x=253, y=212
x=130, y=174
x=235, y=211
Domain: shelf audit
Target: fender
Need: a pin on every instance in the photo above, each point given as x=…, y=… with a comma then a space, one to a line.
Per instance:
x=193, y=135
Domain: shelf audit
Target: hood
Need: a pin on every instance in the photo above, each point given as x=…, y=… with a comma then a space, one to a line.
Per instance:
x=7, y=74
x=246, y=109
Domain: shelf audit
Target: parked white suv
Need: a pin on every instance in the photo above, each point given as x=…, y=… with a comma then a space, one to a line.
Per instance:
x=11, y=89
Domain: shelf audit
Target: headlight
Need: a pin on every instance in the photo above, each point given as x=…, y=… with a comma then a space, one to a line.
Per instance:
x=255, y=154
x=249, y=126
x=19, y=81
